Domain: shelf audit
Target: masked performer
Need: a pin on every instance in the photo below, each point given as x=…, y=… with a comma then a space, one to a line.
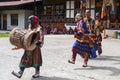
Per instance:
x=83, y=43
x=98, y=30
x=90, y=23
x=32, y=58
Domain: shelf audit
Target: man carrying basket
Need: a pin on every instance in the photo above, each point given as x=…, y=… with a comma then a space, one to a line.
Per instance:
x=32, y=58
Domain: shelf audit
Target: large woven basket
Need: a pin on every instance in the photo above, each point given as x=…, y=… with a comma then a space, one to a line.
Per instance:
x=23, y=38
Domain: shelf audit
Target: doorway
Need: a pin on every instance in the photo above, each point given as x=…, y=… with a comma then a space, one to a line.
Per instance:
x=4, y=21
x=0, y=21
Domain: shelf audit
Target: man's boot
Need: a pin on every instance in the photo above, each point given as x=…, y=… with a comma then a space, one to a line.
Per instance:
x=18, y=75
x=36, y=75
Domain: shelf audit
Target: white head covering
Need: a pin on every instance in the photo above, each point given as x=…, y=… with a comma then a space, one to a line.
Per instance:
x=78, y=16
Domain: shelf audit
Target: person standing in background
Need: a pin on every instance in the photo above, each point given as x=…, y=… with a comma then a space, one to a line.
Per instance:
x=98, y=32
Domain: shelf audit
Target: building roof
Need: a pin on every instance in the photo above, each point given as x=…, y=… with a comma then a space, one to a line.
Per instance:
x=15, y=3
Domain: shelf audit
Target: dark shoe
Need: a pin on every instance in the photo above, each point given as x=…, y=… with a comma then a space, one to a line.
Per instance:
x=84, y=65
x=99, y=51
x=36, y=76
x=18, y=75
x=72, y=62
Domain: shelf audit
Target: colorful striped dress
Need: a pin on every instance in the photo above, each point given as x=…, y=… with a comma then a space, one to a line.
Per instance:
x=33, y=58
x=82, y=44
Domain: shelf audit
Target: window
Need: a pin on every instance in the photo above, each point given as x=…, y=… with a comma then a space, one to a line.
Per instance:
x=48, y=10
x=98, y=6
x=59, y=9
x=70, y=9
x=14, y=19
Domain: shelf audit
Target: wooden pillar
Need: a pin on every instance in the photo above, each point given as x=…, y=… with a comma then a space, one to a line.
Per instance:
x=34, y=7
x=108, y=8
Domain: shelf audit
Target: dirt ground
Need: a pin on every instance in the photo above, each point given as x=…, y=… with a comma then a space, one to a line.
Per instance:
x=55, y=53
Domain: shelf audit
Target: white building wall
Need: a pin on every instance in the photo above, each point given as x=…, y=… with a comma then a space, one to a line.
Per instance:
x=22, y=18
x=27, y=14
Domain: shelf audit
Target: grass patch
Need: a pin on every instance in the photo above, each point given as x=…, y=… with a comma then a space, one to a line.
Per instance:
x=4, y=35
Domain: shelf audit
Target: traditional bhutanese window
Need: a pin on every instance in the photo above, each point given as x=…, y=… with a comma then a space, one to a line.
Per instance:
x=59, y=9
x=70, y=9
x=49, y=10
x=14, y=19
x=55, y=7
x=98, y=6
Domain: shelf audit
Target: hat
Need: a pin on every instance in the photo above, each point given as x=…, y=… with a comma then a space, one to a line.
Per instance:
x=34, y=20
x=79, y=14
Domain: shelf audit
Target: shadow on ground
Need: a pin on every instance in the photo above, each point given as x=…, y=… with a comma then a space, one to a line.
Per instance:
x=109, y=58
x=115, y=71
x=50, y=78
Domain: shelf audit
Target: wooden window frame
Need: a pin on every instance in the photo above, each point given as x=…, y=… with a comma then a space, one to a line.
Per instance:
x=14, y=19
